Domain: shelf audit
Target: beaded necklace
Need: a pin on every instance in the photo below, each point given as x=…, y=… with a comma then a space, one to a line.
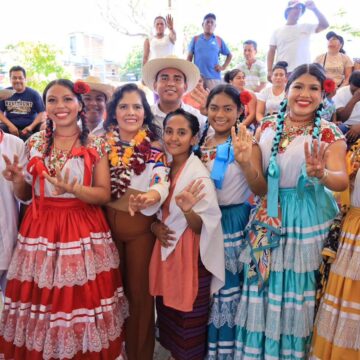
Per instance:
x=291, y=132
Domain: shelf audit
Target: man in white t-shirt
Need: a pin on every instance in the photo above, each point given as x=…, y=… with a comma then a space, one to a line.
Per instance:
x=171, y=77
x=291, y=42
x=347, y=103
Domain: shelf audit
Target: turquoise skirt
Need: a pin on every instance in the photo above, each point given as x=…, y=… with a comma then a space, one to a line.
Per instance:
x=276, y=321
x=221, y=330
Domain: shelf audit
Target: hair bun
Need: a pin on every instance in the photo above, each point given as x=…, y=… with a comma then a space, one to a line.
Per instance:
x=282, y=64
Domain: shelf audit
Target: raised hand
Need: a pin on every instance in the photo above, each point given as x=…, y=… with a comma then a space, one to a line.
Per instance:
x=62, y=185
x=315, y=159
x=310, y=5
x=140, y=201
x=190, y=196
x=163, y=233
x=242, y=144
x=169, y=22
x=200, y=95
x=13, y=172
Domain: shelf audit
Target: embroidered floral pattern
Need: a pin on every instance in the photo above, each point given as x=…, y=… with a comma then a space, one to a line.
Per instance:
x=207, y=154
x=329, y=132
x=57, y=157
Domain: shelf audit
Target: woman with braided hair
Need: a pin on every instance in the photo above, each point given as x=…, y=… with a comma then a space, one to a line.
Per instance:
x=64, y=298
x=233, y=183
x=303, y=156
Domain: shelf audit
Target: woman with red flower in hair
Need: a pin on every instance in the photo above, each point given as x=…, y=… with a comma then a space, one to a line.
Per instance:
x=233, y=183
x=64, y=298
x=236, y=78
x=303, y=157
x=139, y=185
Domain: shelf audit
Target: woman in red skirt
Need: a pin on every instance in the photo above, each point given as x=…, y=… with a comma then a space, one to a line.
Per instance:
x=64, y=298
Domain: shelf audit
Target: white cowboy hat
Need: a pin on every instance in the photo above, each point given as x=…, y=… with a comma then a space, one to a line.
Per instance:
x=96, y=84
x=152, y=68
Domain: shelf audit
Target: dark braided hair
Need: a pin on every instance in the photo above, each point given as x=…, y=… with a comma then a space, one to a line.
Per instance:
x=49, y=132
x=84, y=129
x=155, y=131
x=279, y=129
x=233, y=93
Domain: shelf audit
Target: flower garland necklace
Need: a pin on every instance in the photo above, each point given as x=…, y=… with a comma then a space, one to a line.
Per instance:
x=126, y=158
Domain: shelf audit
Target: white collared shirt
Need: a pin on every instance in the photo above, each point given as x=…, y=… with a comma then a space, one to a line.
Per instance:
x=98, y=131
x=159, y=116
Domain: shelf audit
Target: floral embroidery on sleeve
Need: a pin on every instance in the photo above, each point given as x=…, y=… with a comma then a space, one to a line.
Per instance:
x=330, y=133
x=99, y=144
x=35, y=142
x=269, y=121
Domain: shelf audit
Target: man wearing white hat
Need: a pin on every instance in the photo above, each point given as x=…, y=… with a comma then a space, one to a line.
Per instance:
x=291, y=42
x=95, y=104
x=171, y=77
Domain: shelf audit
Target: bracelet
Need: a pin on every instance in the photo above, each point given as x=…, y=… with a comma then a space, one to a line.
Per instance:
x=325, y=175
x=188, y=212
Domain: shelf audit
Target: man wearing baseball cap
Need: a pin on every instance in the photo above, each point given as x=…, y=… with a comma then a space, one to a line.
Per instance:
x=205, y=49
x=291, y=42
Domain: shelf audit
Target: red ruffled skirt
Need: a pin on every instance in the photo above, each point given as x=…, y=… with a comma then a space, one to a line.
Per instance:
x=64, y=298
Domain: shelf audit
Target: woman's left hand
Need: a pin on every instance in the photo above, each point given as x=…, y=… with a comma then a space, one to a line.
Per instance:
x=140, y=201
x=190, y=196
x=242, y=144
x=315, y=159
x=62, y=185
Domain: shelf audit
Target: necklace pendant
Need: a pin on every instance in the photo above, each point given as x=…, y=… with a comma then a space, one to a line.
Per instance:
x=284, y=143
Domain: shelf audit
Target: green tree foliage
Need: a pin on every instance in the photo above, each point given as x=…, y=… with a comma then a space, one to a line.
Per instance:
x=41, y=62
x=343, y=26
x=133, y=64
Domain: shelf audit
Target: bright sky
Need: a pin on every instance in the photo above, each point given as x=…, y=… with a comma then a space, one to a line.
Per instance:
x=51, y=21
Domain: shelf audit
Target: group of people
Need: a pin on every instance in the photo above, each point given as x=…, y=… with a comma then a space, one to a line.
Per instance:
x=225, y=218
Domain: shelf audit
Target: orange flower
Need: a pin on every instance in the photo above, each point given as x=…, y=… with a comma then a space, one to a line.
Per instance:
x=128, y=152
x=139, y=137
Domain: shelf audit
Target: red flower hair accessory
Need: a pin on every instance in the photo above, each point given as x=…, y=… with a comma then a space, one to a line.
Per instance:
x=81, y=87
x=329, y=86
x=245, y=97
